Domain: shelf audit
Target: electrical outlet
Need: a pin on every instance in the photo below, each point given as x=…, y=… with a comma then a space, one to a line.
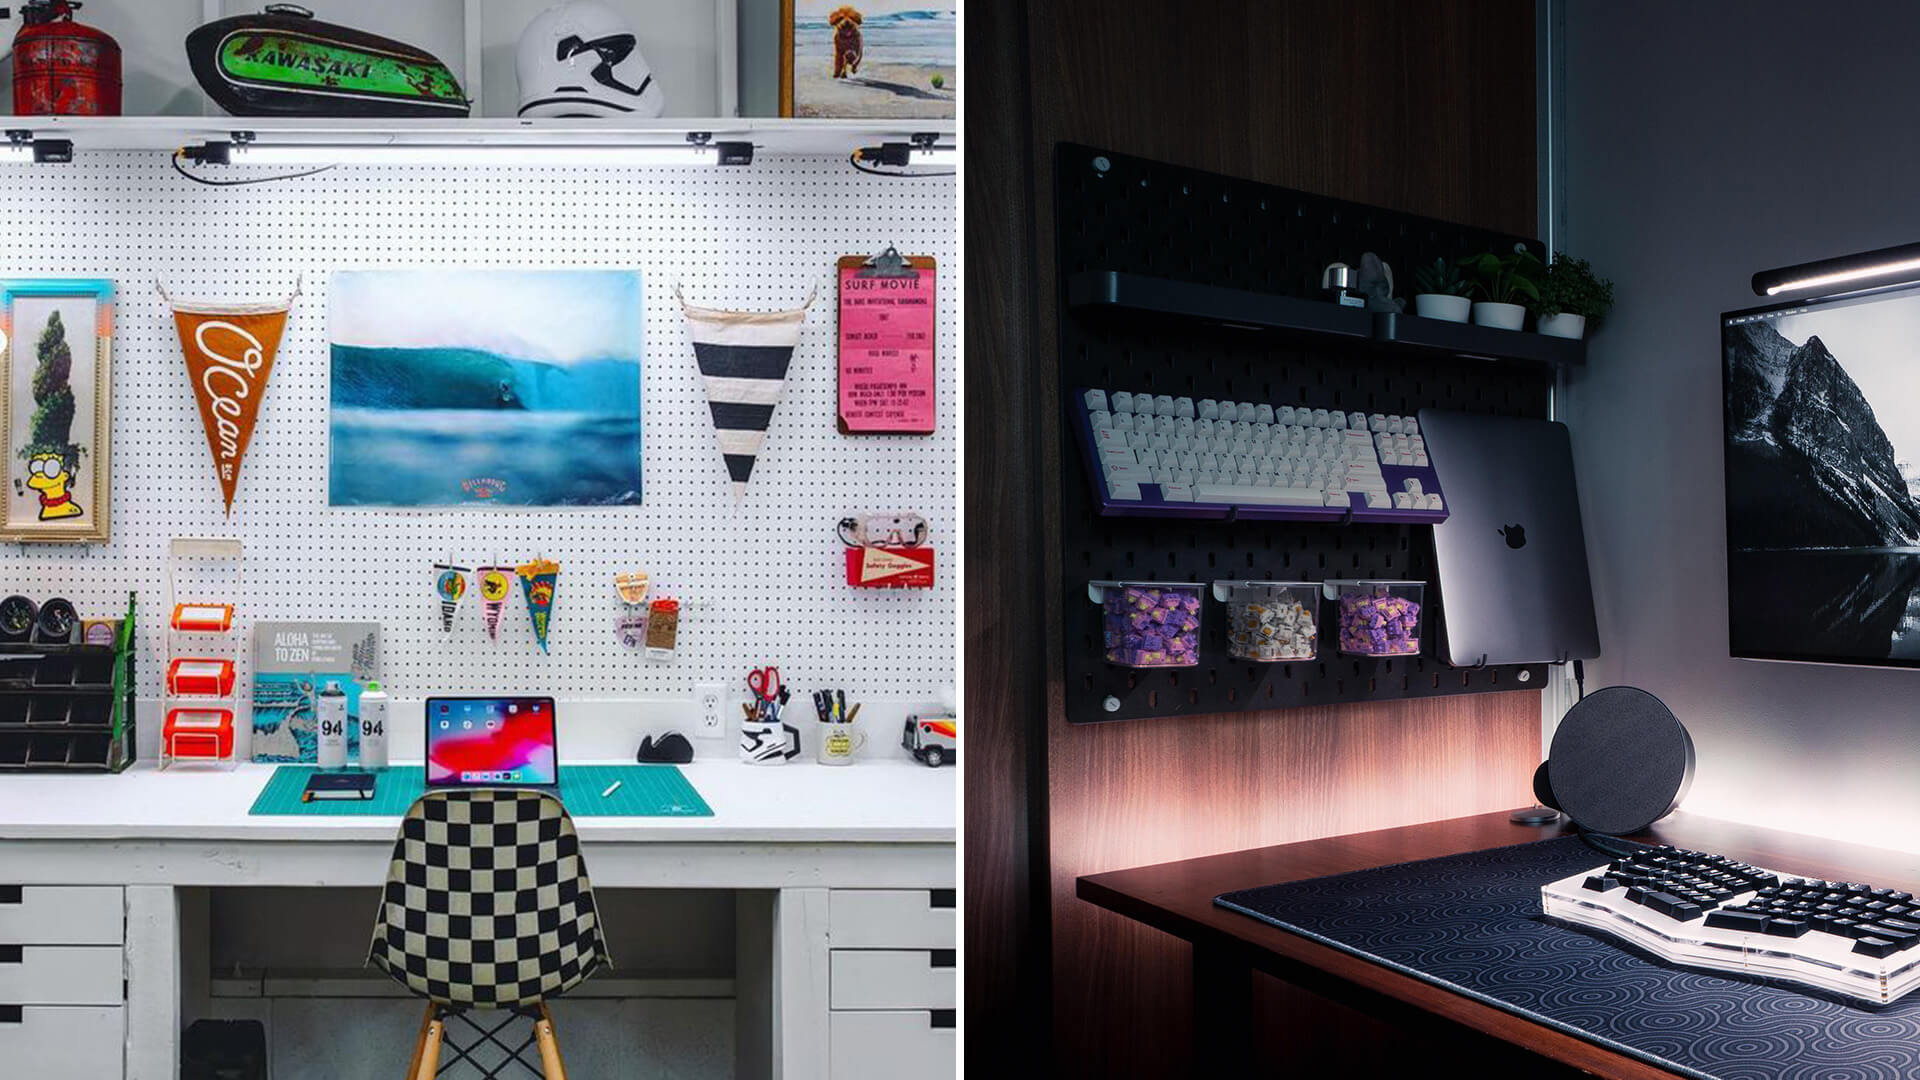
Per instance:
x=710, y=697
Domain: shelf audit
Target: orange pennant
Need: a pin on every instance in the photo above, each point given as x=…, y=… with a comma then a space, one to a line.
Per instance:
x=229, y=352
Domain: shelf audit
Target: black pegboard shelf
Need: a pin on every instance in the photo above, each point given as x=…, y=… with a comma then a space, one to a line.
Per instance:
x=1338, y=325
x=1141, y=240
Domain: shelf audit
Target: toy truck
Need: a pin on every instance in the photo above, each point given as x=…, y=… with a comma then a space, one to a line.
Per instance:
x=933, y=740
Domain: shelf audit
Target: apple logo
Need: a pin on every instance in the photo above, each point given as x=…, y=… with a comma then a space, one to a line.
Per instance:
x=1516, y=536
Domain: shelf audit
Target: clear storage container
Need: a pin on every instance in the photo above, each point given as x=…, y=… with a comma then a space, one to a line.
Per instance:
x=1271, y=621
x=1378, y=618
x=1149, y=624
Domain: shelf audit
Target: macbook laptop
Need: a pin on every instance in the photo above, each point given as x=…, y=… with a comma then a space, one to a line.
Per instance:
x=492, y=742
x=1512, y=557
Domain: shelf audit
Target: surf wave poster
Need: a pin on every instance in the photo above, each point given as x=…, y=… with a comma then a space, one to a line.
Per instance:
x=485, y=388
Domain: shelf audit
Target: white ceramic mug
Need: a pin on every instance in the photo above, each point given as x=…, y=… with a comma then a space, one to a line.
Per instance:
x=838, y=743
x=768, y=743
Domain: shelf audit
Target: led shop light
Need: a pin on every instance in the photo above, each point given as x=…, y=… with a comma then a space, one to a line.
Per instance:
x=1887, y=266
x=247, y=152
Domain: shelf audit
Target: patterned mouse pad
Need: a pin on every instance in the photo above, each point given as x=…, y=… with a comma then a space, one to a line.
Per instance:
x=1472, y=924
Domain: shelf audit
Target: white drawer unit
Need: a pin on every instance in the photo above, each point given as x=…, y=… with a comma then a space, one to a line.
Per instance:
x=61, y=975
x=891, y=979
x=891, y=919
x=63, y=1042
x=908, y=1044
x=62, y=915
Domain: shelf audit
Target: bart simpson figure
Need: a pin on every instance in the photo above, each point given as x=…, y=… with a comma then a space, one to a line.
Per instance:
x=48, y=475
x=848, y=46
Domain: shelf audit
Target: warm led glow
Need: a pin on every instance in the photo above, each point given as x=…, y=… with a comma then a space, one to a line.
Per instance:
x=1841, y=277
x=468, y=154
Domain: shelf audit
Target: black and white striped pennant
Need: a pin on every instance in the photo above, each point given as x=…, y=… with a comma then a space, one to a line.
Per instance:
x=743, y=357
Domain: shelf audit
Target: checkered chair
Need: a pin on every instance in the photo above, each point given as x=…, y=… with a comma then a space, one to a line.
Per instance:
x=487, y=906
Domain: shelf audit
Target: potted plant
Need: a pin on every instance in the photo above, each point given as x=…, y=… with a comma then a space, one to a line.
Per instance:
x=1571, y=298
x=1443, y=292
x=1503, y=282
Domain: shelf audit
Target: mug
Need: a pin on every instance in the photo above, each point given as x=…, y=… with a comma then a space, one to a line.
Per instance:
x=838, y=743
x=762, y=743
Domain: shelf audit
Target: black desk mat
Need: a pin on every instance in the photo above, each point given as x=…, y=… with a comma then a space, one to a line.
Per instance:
x=1472, y=924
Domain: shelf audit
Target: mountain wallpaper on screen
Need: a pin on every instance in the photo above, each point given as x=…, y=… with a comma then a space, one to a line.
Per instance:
x=1808, y=466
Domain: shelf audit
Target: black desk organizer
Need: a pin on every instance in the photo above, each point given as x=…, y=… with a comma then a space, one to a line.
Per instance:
x=1191, y=283
x=68, y=708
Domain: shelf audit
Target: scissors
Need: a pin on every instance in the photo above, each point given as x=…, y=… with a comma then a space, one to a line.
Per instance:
x=765, y=684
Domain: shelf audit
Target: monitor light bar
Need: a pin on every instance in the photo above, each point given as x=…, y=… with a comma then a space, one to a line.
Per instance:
x=481, y=154
x=1887, y=266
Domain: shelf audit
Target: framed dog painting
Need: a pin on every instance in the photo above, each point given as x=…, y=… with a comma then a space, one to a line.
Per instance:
x=868, y=58
x=56, y=408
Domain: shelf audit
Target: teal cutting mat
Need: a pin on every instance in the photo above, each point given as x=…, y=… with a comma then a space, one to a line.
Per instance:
x=645, y=791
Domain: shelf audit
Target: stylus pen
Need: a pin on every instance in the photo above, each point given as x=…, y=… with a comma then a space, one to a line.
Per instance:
x=611, y=788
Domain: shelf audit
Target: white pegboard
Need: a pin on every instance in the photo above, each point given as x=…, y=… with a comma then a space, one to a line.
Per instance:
x=765, y=577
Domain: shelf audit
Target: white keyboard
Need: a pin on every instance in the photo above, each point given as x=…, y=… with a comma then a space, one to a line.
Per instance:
x=1708, y=911
x=1185, y=455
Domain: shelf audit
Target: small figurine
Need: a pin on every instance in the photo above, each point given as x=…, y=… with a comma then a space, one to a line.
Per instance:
x=1375, y=282
x=932, y=740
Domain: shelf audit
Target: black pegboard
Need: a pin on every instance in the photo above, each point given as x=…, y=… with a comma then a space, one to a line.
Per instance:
x=1114, y=212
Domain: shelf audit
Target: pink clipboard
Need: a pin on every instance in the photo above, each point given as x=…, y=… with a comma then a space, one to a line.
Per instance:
x=886, y=349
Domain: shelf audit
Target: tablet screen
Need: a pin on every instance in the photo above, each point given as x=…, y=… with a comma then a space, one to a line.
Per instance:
x=481, y=741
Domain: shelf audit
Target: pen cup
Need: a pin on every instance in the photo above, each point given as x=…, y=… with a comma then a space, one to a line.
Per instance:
x=838, y=743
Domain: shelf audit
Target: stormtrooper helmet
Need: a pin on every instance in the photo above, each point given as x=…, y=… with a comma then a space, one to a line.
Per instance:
x=581, y=58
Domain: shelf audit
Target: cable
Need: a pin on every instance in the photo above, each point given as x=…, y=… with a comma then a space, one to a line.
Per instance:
x=1580, y=681
x=858, y=156
x=180, y=155
x=1594, y=841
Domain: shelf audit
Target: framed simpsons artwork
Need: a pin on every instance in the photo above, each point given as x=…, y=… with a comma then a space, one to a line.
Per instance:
x=56, y=408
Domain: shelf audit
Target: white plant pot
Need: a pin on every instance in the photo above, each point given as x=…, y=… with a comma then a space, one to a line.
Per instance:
x=1501, y=316
x=1442, y=306
x=1564, y=325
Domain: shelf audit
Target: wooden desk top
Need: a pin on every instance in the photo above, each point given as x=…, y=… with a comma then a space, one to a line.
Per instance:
x=1177, y=897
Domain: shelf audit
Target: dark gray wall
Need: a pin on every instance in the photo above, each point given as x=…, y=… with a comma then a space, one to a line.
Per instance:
x=1705, y=141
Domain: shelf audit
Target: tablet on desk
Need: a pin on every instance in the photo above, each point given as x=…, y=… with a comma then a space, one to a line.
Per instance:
x=492, y=742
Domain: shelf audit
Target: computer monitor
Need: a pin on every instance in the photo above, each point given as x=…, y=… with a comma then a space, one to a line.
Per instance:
x=1822, y=441
x=491, y=741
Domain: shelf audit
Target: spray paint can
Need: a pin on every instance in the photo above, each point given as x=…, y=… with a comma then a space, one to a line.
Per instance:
x=373, y=727
x=331, y=714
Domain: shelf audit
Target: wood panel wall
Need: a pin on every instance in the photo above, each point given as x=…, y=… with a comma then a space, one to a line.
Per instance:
x=1421, y=107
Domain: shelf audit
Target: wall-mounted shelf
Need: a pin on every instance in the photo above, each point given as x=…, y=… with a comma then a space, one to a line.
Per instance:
x=1273, y=311
x=769, y=136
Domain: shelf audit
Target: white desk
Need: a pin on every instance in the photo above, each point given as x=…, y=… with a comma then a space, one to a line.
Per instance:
x=868, y=842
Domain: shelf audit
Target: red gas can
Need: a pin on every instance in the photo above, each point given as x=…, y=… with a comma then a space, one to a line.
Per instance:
x=61, y=67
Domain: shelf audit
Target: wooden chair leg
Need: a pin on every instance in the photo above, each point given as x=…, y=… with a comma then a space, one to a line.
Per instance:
x=429, y=1066
x=420, y=1044
x=550, y=1065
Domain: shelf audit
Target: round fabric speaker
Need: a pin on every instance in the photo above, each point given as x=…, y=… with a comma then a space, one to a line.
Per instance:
x=1620, y=761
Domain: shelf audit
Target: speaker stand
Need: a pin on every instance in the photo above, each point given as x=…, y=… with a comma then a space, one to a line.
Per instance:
x=1534, y=815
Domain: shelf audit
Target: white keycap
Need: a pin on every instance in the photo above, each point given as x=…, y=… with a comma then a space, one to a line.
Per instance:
x=1112, y=436
x=1357, y=421
x=1412, y=484
x=1402, y=501
x=1135, y=474
x=1163, y=476
x=1377, y=422
x=1096, y=400
x=1122, y=401
x=1203, y=427
x=1264, y=467
x=1403, y=459
x=1163, y=405
x=1183, y=476
x=1159, y=442
x=1129, y=492
x=1430, y=501
x=1189, y=459
x=1420, y=460
x=1435, y=502
x=1178, y=491
x=1258, y=496
x=1284, y=415
x=1395, y=425
x=1209, y=409
x=1183, y=427
x=1338, y=421
x=1183, y=408
x=1263, y=413
x=1116, y=455
x=1100, y=418
x=1411, y=425
x=1321, y=418
x=1137, y=440
x=1148, y=457
x=1261, y=431
x=1376, y=499
x=1179, y=443
x=1142, y=403
x=1339, y=498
